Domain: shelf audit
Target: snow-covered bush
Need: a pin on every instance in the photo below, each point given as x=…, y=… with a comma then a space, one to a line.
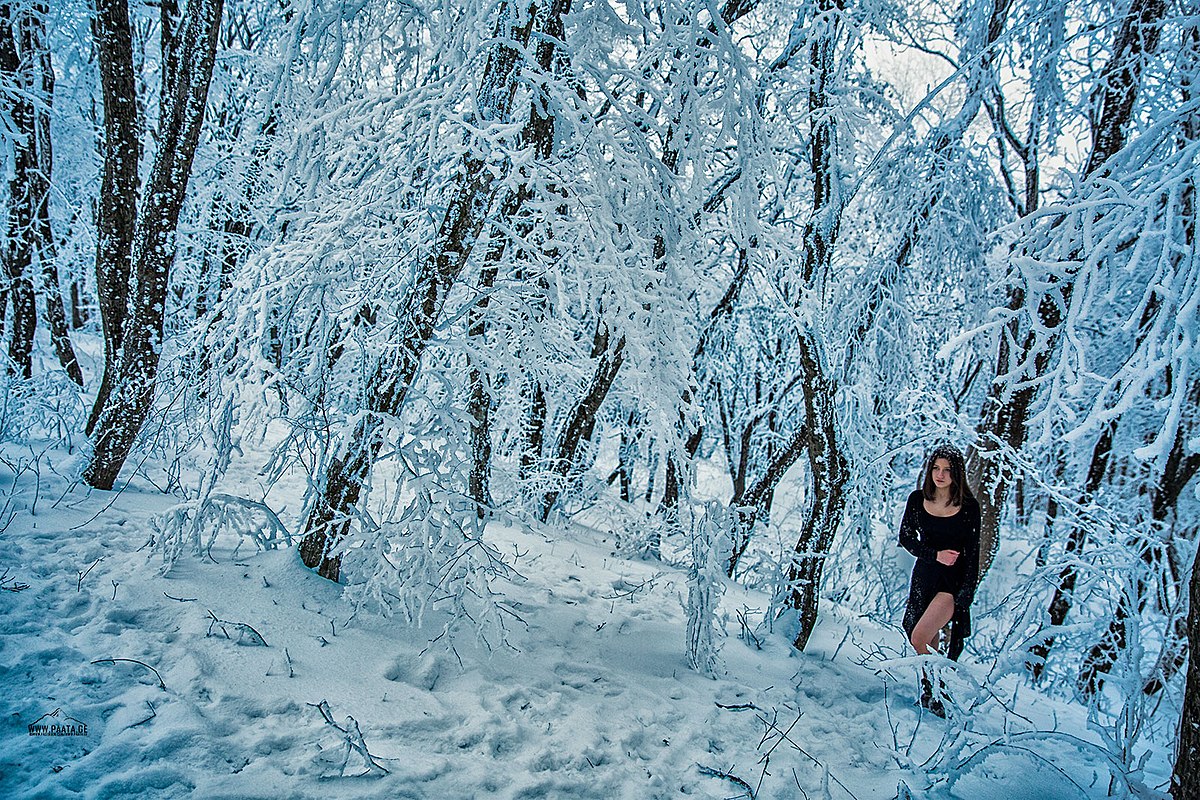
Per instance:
x=48, y=406
x=710, y=535
x=193, y=527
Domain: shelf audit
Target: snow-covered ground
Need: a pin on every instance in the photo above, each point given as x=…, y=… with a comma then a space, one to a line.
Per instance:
x=241, y=674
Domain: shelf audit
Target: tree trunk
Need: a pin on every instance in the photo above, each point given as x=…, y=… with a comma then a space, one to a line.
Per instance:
x=830, y=474
x=819, y=436
x=189, y=52
x=1002, y=429
x=116, y=212
x=389, y=381
x=34, y=41
x=1060, y=604
x=479, y=402
x=79, y=315
x=1178, y=471
x=582, y=421
x=1185, y=781
x=538, y=134
x=533, y=430
x=17, y=66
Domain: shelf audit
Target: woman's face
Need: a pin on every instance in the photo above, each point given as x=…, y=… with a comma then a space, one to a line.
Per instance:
x=940, y=472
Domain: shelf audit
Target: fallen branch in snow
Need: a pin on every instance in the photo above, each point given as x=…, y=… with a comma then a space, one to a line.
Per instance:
x=246, y=635
x=180, y=599
x=153, y=714
x=161, y=685
x=729, y=776
x=11, y=584
x=737, y=706
x=1009, y=742
x=353, y=742
x=765, y=760
x=625, y=589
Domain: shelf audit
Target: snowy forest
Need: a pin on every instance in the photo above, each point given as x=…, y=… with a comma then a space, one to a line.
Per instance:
x=469, y=398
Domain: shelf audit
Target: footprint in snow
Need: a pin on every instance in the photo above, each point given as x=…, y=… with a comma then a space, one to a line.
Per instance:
x=585, y=678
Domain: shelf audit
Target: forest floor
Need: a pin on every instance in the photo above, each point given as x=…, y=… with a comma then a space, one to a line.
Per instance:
x=241, y=674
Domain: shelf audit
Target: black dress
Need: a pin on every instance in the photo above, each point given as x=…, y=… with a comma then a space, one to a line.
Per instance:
x=923, y=535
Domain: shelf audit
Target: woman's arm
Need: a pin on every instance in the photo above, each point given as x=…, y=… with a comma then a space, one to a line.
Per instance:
x=910, y=531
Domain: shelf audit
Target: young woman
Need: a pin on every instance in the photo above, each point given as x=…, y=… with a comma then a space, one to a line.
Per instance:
x=941, y=529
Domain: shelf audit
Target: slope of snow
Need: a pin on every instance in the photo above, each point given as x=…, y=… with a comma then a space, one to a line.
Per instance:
x=272, y=687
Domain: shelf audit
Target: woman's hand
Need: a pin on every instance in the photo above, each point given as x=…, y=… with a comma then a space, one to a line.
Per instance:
x=947, y=557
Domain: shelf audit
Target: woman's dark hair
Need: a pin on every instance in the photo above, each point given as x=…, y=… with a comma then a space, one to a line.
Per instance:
x=959, y=490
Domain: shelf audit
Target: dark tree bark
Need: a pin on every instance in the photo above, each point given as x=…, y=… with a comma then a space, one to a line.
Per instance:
x=533, y=429
x=538, y=134
x=1002, y=428
x=34, y=41
x=581, y=422
x=1060, y=604
x=189, y=43
x=818, y=435
x=826, y=459
x=389, y=381
x=1178, y=471
x=17, y=65
x=116, y=211
x=1185, y=780
x=79, y=315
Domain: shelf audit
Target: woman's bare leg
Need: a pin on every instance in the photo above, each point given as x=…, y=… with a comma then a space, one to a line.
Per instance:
x=939, y=612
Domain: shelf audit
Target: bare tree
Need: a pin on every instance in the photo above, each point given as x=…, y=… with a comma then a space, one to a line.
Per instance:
x=34, y=41
x=389, y=378
x=1002, y=429
x=136, y=248
x=538, y=134
x=116, y=211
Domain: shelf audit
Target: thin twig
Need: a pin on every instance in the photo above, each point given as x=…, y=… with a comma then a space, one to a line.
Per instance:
x=785, y=735
x=11, y=584
x=240, y=627
x=161, y=685
x=153, y=714
x=84, y=574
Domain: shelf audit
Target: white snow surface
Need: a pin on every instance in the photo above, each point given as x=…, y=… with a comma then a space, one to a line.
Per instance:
x=589, y=698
